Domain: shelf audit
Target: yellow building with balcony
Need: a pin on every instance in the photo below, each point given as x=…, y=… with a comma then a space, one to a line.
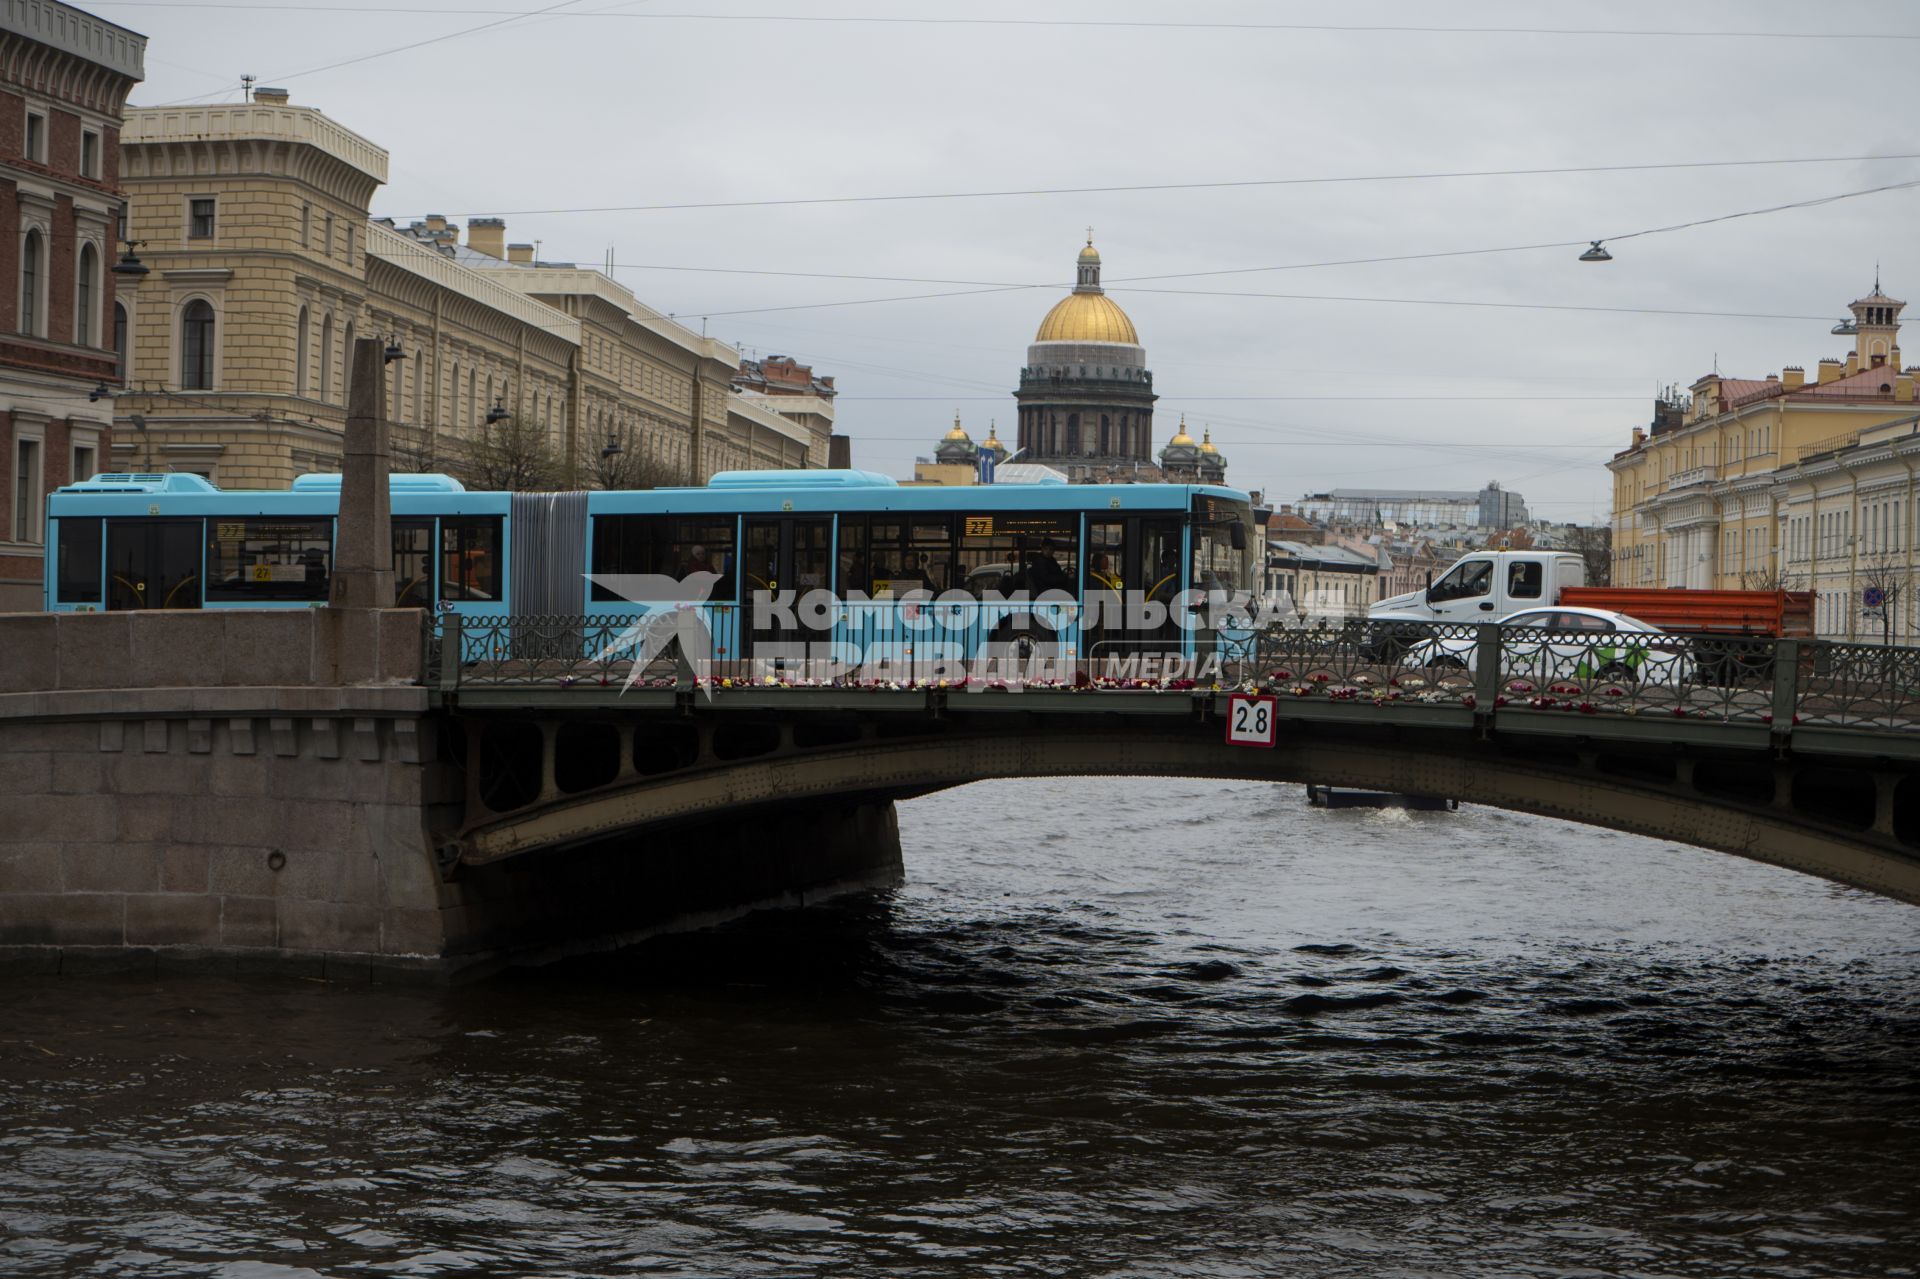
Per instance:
x=1765, y=483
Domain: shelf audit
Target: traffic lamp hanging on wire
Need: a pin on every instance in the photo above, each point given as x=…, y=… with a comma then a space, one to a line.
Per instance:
x=1598, y=253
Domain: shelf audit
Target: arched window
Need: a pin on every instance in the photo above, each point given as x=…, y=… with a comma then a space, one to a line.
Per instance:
x=346, y=366
x=326, y=359
x=120, y=340
x=30, y=284
x=399, y=391
x=196, y=346
x=452, y=412
x=419, y=385
x=300, y=353
x=473, y=405
x=86, y=281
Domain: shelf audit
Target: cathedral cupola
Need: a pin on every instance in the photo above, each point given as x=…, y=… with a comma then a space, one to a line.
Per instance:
x=956, y=445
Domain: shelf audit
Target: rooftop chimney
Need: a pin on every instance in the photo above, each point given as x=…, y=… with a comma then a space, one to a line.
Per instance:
x=1829, y=371
x=436, y=221
x=1793, y=377
x=1639, y=437
x=520, y=253
x=271, y=97
x=488, y=236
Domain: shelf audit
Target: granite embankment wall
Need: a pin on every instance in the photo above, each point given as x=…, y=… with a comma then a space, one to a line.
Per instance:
x=202, y=785
x=259, y=789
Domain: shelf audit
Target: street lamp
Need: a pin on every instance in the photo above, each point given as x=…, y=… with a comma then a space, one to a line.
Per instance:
x=611, y=449
x=1598, y=253
x=498, y=413
x=130, y=264
x=392, y=351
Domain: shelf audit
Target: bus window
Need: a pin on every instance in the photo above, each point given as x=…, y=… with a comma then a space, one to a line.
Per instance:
x=79, y=550
x=470, y=558
x=1106, y=555
x=255, y=560
x=1021, y=551
x=912, y=555
x=1160, y=560
x=669, y=546
x=853, y=561
x=412, y=563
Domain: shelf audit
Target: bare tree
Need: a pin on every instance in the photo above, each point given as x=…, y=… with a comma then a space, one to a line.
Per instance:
x=1883, y=581
x=1769, y=579
x=619, y=462
x=1594, y=546
x=508, y=455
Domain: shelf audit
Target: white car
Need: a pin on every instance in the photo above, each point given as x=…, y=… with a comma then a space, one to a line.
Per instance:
x=1587, y=644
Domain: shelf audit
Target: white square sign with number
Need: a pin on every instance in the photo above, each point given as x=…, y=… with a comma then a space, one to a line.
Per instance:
x=1250, y=720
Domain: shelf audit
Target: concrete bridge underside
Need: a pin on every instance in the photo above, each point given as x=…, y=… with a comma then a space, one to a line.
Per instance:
x=1852, y=820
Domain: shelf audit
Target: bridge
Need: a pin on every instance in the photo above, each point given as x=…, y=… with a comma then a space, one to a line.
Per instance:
x=1797, y=753
x=354, y=791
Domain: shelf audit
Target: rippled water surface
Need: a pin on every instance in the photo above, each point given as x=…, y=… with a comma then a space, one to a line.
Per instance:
x=1110, y=1028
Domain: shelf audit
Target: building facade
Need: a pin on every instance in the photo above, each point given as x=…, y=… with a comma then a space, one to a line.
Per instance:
x=1086, y=395
x=265, y=267
x=779, y=384
x=1783, y=482
x=1490, y=507
x=64, y=80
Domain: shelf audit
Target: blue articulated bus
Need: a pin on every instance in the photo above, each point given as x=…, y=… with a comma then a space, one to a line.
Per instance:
x=926, y=569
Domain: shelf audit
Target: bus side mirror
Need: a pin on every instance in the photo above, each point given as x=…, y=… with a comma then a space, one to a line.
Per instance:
x=1237, y=533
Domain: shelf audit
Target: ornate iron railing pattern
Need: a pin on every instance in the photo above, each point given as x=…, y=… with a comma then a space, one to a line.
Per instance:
x=1473, y=666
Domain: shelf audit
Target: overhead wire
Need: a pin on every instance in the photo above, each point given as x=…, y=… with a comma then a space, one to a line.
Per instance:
x=1070, y=23
x=1125, y=188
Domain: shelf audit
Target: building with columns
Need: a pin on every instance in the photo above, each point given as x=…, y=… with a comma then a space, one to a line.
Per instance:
x=1086, y=394
x=1785, y=482
x=265, y=266
x=64, y=80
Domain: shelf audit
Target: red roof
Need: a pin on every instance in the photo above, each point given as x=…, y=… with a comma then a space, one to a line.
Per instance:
x=1867, y=384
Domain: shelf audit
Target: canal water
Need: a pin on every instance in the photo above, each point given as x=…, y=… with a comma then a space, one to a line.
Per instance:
x=1110, y=1028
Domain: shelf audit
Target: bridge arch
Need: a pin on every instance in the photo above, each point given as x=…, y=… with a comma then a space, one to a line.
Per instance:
x=1853, y=820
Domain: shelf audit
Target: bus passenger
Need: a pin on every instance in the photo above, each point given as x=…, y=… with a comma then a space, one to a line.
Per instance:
x=1101, y=573
x=696, y=561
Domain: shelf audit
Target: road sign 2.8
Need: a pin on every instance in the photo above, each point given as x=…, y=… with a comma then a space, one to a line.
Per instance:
x=1250, y=720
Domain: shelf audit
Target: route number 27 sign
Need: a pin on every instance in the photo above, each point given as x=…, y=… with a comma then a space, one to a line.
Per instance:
x=1250, y=720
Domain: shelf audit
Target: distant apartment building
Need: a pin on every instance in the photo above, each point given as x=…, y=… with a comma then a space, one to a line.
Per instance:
x=780, y=384
x=266, y=266
x=1489, y=507
x=64, y=80
x=1322, y=583
x=1785, y=481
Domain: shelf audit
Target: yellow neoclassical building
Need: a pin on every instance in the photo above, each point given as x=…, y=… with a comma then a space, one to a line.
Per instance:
x=1805, y=483
x=264, y=266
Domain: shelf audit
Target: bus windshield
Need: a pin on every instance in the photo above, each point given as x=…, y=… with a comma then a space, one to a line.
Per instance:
x=1223, y=542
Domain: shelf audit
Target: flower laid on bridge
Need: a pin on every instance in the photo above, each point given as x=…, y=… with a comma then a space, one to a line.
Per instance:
x=1277, y=676
x=1564, y=689
x=1519, y=686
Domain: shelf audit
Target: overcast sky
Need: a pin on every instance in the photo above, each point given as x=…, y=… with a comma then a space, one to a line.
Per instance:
x=645, y=103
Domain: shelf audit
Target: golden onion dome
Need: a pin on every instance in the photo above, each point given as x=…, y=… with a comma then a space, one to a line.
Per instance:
x=1181, y=439
x=993, y=437
x=1089, y=254
x=1206, y=441
x=957, y=433
x=1087, y=317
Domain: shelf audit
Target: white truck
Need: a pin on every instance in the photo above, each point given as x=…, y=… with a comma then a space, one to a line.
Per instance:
x=1484, y=586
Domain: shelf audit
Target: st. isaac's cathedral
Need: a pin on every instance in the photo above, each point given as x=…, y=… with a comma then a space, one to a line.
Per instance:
x=1086, y=399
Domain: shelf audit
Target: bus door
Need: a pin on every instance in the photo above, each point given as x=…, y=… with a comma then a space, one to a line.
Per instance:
x=1136, y=561
x=153, y=563
x=783, y=559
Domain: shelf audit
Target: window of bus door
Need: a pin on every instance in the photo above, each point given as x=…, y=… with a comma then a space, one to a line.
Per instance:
x=154, y=563
x=257, y=560
x=470, y=558
x=1106, y=555
x=412, y=563
x=78, y=580
x=1160, y=553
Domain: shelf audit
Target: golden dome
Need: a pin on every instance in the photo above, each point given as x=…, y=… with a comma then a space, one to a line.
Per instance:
x=1089, y=254
x=1181, y=439
x=1206, y=441
x=1087, y=317
x=957, y=433
x=993, y=437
